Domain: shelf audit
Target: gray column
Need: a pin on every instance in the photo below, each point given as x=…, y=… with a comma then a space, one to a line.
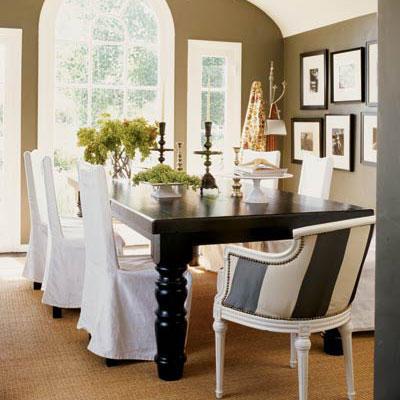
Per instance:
x=387, y=346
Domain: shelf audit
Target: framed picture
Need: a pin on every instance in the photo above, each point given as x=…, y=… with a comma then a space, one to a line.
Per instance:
x=348, y=76
x=339, y=140
x=369, y=136
x=314, y=80
x=372, y=73
x=307, y=136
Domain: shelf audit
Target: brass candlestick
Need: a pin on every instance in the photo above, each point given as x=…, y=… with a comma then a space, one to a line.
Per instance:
x=179, y=162
x=237, y=186
x=161, y=143
x=208, y=181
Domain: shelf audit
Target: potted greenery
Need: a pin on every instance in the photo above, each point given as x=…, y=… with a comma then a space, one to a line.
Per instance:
x=165, y=179
x=118, y=140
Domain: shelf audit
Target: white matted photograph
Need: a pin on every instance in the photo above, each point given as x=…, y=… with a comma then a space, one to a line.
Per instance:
x=369, y=138
x=348, y=75
x=372, y=73
x=339, y=140
x=314, y=80
x=306, y=138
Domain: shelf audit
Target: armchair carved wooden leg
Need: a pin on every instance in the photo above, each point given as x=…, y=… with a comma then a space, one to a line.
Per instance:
x=303, y=345
x=345, y=332
x=220, y=328
x=293, y=357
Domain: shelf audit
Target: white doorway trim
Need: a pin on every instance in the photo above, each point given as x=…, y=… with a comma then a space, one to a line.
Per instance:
x=10, y=210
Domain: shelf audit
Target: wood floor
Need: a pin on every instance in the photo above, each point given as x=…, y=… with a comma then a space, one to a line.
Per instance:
x=46, y=359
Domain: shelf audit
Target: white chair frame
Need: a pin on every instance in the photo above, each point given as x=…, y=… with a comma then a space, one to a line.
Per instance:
x=299, y=330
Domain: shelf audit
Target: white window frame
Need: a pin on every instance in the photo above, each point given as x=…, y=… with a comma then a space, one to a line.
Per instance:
x=47, y=84
x=232, y=52
x=10, y=235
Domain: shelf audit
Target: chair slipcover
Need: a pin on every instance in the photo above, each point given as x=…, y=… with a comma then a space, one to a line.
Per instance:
x=315, y=181
x=36, y=257
x=119, y=304
x=65, y=259
x=34, y=269
x=211, y=256
x=363, y=308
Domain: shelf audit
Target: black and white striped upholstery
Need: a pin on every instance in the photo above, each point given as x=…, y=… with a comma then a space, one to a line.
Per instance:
x=318, y=278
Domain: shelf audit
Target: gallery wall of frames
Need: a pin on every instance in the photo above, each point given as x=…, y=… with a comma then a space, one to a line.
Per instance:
x=332, y=105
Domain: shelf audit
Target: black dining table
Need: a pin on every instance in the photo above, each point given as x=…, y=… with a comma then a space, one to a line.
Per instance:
x=175, y=226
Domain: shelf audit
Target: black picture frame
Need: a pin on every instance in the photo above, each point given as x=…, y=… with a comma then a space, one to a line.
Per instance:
x=367, y=62
x=362, y=72
x=320, y=122
x=352, y=140
x=325, y=54
x=362, y=139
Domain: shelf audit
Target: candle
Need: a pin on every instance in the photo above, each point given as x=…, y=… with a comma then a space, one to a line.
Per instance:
x=163, y=103
x=209, y=101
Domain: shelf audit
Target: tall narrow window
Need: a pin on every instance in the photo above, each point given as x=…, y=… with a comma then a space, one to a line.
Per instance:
x=10, y=138
x=214, y=92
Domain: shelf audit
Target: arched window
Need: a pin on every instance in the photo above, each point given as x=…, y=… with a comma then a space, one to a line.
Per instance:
x=102, y=56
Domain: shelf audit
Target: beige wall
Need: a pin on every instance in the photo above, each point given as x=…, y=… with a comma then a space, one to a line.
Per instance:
x=358, y=187
x=223, y=20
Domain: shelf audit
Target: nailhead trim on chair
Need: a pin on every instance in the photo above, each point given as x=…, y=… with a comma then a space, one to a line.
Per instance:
x=295, y=256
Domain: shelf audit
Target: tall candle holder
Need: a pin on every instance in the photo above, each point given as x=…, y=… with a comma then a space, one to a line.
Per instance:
x=237, y=186
x=179, y=157
x=208, y=180
x=161, y=143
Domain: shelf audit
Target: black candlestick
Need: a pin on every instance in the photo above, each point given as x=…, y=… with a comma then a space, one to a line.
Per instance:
x=208, y=181
x=161, y=143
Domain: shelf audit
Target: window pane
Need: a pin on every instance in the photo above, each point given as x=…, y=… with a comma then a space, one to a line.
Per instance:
x=143, y=103
x=108, y=29
x=107, y=6
x=72, y=62
x=70, y=115
x=73, y=20
x=108, y=64
x=217, y=108
x=142, y=67
x=71, y=109
x=107, y=101
x=141, y=22
x=214, y=70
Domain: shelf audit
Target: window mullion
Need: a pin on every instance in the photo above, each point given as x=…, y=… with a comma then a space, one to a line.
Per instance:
x=125, y=77
x=90, y=77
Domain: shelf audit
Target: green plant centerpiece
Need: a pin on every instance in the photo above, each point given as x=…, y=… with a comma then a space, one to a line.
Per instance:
x=164, y=178
x=119, y=141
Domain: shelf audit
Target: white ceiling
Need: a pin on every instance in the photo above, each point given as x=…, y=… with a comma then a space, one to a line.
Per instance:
x=296, y=16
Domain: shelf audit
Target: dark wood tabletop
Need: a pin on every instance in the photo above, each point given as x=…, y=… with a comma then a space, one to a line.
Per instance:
x=220, y=212
x=175, y=226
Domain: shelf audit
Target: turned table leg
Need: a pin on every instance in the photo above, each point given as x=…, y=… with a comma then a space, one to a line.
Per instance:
x=171, y=255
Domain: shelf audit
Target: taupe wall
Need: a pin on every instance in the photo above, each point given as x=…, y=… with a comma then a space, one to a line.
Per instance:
x=222, y=20
x=358, y=187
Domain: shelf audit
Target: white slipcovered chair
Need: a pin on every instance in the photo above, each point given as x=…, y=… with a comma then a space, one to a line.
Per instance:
x=308, y=288
x=211, y=256
x=316, y=177
x=119, y=304
x=65, y=259
x=315, y=181
x=363, y=308
x=36, y=257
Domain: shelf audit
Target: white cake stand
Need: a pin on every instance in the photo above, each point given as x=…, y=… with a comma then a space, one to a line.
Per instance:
x=257, y=195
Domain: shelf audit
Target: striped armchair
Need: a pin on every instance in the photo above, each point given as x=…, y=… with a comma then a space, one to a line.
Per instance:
x=307, y=288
